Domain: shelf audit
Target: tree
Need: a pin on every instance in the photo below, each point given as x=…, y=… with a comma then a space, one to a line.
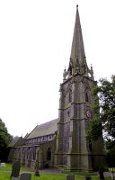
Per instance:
x=104, y=115
x=5, y=138
x=110, y=153
x=105, y=119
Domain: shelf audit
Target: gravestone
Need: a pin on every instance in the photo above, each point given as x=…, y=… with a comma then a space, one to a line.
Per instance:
x=37, y=169
x=70, y=177
x=87, y=177
x=2, y=164
x=15, y=178
x=101, y=174
x=25, y=176
x=15, y=170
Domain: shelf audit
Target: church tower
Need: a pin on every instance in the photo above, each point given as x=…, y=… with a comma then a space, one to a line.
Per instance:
x=73, y=151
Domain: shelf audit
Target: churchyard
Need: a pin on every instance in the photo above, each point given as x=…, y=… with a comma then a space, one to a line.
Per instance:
x=5, y=172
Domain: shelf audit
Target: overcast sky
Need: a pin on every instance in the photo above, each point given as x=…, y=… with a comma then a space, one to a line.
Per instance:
x=35, y=46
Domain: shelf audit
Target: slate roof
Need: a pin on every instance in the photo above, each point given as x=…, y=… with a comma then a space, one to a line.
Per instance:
x=16, y=141
x=47, y=128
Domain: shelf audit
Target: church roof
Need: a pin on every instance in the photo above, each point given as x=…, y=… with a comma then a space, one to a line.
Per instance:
x=47, y=128
x=16, y=141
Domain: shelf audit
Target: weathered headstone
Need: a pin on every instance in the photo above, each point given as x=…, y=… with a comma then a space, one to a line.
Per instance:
x=87, y=177
x=15, y=170
x=2, y=164
x=70, y=177
x=15, y=178
x=37, y=169
x=101, y=174
x=25, y=176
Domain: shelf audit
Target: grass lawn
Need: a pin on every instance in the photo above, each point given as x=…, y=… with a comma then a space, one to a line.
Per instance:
x=6, y=171
x=6, y=176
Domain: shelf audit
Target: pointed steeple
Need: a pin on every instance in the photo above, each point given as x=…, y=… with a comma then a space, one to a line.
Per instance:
x=77, y=58
x=77, y=50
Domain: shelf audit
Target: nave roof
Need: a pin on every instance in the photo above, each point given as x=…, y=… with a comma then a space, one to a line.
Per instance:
x=47, y=128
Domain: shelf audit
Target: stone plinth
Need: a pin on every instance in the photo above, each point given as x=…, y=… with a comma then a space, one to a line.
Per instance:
x=25, y=176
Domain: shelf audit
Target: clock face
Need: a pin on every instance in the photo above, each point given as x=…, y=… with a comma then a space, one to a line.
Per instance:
x=88, y=113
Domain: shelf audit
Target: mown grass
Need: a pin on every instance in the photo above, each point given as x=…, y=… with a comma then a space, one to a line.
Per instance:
x=6, y=171
x=6, y=176
x=7, y=167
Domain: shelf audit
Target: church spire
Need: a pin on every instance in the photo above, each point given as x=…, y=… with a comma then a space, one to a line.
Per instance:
x=77, y=50
x=78, y=64
x=77, y=58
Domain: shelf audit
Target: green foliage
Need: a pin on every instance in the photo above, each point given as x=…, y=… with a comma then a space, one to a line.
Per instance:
x=95, y=129
x=104, y=117
x=110, y=155
x=5, y=138
x=104, y=111
x=107, y=105
x=4, y=135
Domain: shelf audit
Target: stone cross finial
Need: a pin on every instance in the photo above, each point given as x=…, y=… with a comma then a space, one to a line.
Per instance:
x=64, y=74
x=91, y=70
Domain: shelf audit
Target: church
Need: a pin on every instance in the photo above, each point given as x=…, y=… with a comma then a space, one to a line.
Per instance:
x=62, y=142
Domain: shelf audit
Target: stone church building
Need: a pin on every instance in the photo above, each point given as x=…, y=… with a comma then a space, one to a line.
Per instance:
x=62, y=142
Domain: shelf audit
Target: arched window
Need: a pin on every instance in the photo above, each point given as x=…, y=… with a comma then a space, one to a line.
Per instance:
x=68, y=114
x=49, y=154
x=34, y=153
x=86, y=97
x=70, y=95
x=90, y=146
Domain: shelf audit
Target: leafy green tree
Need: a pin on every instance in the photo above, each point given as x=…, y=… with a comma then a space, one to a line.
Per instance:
x=110, y=153
x=105, y=119
x=104, y=115
x=5, y=138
